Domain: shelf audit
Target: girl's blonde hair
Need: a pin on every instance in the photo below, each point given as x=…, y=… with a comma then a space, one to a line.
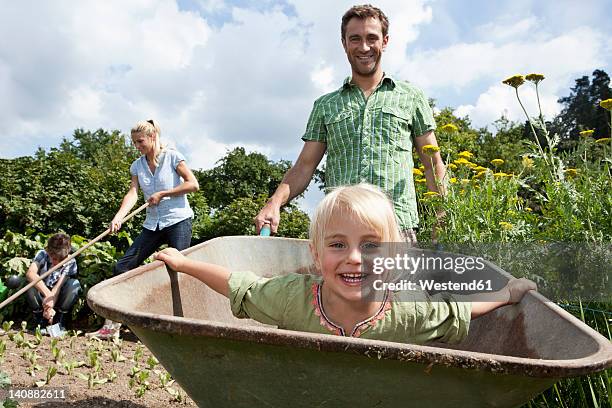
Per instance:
x=365, y=201
x=150, y=128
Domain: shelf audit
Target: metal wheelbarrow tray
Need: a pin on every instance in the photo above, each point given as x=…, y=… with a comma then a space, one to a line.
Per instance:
x=510, y=355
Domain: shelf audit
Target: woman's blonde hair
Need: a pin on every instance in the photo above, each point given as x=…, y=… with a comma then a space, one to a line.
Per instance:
x=150, y=128
x=365, y=201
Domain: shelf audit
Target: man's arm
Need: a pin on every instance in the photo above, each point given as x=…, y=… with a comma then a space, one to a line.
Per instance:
x=294, y=183
x=434, y=166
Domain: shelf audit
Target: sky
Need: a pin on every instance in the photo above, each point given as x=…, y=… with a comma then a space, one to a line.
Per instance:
x=219, y=74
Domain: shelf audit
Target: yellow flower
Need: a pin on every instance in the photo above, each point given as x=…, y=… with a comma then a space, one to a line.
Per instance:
x=420, y=180
x=527, y=162
x=430, y=194
x=466, y=155
x=606, y=104
x=465, y=181
x=588, y=132
x=422, y=168
x=501, y=175
x=497, y=162
x=506, y=226
x=571, y=172
x=449, y=127
x=528, y=209
x=480, y=174
x=417, y=172
x=453, y=180
x=514, y=81
x=603, y=140
x=535, y=78
x=430, y=149
x=452, y=166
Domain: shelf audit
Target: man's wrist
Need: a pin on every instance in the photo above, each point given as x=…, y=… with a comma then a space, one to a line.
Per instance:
x=275, y=202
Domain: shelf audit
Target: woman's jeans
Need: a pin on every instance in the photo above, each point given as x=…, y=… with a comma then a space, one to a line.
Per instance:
x=177, y=236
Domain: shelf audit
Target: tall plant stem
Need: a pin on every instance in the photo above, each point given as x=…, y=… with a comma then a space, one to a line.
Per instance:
x=535, y=134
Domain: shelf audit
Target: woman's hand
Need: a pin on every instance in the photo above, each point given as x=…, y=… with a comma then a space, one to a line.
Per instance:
x=115, y=225
x=156, y=198
x=171, y=257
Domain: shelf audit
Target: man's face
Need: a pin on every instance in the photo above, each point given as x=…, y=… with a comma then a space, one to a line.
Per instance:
x=364, y=44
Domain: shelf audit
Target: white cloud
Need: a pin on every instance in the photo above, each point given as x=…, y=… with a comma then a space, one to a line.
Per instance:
x=463, y=64
x=506, y=29
x=500, y=100
x=250, y=79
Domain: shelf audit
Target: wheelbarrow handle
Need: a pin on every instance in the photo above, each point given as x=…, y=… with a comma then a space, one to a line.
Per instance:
x=69, y=258
x=265, y=230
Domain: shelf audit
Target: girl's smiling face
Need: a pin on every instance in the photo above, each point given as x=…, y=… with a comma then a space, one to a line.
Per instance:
x=347, y=240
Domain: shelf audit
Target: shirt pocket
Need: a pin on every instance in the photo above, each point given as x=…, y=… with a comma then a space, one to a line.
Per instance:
x=397, y=119
x=339, y=128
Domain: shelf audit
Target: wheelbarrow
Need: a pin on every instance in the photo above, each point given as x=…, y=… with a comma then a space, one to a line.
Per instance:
x=509, y=356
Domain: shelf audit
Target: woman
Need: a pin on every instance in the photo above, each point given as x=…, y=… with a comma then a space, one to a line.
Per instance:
x=165, y=180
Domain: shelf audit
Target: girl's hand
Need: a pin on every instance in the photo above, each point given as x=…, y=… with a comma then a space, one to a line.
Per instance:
x=156, y=198
x=115, y=225
x=171, y=257
x=518, y=287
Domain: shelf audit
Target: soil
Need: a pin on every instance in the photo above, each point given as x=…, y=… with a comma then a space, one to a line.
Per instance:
x=117, y=393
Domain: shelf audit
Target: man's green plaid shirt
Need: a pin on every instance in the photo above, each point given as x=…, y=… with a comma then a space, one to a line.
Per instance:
x=371, y=140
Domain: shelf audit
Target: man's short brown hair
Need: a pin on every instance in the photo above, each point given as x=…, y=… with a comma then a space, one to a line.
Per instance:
x=362, y=12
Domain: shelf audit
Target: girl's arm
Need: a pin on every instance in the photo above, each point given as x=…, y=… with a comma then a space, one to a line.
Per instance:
x=215, y=276
x=189, y=185
x=512, y=293
x=129, y=200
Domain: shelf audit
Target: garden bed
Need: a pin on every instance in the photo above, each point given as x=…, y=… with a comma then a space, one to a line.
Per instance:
x=95, y=373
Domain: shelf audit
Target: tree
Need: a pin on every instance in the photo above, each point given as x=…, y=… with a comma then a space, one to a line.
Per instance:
x=581, y=109
x=240, y=175
x=237, y=188
x=76, y=188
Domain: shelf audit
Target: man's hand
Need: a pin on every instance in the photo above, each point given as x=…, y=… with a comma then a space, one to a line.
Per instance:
x=171, y=257
x=438, y=225
x=517, y=289
x=156, y=198
x=269, y=214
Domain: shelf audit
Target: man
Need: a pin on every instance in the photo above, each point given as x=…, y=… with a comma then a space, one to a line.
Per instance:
x=366, y=127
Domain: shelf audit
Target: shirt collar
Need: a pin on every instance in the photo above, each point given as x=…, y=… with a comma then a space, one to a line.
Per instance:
x=386, y=79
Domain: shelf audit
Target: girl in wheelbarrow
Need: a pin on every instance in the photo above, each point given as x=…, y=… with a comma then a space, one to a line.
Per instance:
x=165, y=180
x=349, y=223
